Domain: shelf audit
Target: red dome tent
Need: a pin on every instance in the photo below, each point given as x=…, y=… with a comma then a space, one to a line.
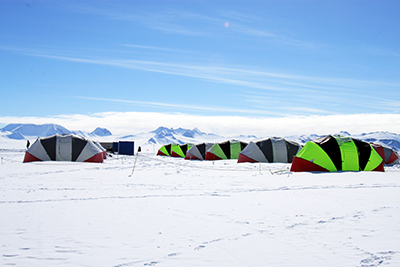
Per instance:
x=64, y=148
x=388, y=155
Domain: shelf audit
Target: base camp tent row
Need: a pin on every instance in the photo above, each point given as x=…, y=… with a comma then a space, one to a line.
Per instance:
x=64, y=148
x=388, y=155
x=225, y=150
x=337, y=153
x=198, y=152
x=274, y=149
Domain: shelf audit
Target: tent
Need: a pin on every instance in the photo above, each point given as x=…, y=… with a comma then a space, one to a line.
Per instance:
x=64, y=148
x=179, y=151
x=103, y=150
x=166, y=150
x=388, y=155
x=337, y=153
x=198, y=152
x=274, y=149
x=226, y=150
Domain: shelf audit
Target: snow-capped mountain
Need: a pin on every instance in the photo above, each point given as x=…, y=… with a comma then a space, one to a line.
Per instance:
x=26, y=131
x=384, y=138
x=18, y=131
x=100, y=132
x=163, y=135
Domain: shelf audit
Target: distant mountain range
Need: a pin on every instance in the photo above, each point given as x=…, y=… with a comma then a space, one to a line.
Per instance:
x=26, y=131
x=164, y=135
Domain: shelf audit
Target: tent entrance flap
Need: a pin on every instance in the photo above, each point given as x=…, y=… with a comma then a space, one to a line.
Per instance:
x=280, y=150
x=64, y=148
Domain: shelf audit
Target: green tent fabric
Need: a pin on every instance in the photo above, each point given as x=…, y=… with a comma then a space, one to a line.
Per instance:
x=166, y=150
x=180, y=150
x=337, y=153
x=225, y=150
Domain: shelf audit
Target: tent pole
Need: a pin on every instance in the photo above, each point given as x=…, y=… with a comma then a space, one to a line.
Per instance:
x=134, y=164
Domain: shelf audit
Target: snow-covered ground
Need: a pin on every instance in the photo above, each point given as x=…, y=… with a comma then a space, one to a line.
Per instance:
x=173, y=212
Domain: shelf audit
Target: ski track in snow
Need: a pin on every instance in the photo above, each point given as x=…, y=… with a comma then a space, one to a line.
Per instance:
x=173, y=212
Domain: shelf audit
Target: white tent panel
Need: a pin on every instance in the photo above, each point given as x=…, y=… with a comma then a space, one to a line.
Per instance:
x=279, y=150
x=88, y=151
x=64, y=148
x=37, y=150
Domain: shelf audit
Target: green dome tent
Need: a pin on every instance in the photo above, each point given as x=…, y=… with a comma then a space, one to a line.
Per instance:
x=180, y=150
x=337, y=153
x=166, y=150
x=225, y=150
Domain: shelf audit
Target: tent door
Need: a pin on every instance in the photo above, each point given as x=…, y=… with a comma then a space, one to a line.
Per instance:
x=64, y=148
x=279, y=150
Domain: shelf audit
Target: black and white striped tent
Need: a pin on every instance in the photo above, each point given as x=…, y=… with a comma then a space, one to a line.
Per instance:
x=274, y=149
x=64, y=148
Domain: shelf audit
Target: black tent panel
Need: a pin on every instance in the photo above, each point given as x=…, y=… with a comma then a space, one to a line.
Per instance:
x=243, y=145
x=331, y=147
x=168, y=148
x=49, y=144
x=266, y=148
x=364, y=152
x=226, y=148
x=77, y=146
x=292, y=149
x=184, y=148
x=202, y=149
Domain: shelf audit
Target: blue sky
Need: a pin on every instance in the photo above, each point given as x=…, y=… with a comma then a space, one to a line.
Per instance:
x=254, y=59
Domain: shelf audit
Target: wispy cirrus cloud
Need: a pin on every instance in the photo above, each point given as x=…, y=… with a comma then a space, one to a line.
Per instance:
x=255, y=84
x=167, y=20
x=183, y=107
x=233, y=76
x=188, y=23
x=150, y=48
x=381, y=51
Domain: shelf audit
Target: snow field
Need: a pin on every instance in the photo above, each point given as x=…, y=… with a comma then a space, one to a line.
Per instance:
x=173, y=212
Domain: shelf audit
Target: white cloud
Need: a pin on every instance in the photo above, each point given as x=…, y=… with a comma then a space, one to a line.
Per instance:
x=125, y=123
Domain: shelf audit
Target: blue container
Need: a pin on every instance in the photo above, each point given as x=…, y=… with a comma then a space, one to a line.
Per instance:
x=115, y=146
x=126, y=147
